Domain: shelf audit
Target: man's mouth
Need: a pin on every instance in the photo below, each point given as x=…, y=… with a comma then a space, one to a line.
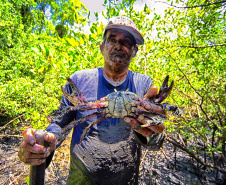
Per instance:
x=120, y=55
x=115, y=52
x=117, y=57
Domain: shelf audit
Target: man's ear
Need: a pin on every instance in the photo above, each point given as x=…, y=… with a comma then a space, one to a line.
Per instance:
x=135, y=51
x=102, y=47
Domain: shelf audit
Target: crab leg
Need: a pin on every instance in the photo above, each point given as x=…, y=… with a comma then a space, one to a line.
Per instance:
x=164, y=90
x=87, y=129
x=88, y=106
x=152, y=121
x=177, y=111
x=154, y=118
x=78, y=100
x=67, y=129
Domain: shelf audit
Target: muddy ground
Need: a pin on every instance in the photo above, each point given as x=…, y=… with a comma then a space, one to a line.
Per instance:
x=167, y=166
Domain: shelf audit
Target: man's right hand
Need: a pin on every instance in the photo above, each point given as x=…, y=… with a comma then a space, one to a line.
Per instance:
x=32, y=153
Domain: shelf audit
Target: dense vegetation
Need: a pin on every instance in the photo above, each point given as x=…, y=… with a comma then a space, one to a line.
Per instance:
x=42, y=42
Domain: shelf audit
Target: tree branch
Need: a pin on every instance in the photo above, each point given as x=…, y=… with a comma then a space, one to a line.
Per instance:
x=203, y=5
x=202, y=97
x=3, y=127
x=186, y=77
x=221, y=115
x=193, y=155
x=215, y=45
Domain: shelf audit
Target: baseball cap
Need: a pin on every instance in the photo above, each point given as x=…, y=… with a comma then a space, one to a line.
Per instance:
x=124, y=23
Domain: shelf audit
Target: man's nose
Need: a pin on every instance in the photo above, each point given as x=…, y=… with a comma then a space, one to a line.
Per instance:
x=118, y=45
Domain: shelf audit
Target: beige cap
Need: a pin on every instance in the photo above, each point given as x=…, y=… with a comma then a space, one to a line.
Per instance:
x=124, y=23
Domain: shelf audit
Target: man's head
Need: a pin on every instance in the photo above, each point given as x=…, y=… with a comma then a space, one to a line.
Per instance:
x=121, y=37
x=126, y=24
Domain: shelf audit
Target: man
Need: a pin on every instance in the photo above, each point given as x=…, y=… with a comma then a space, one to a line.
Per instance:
x=110, y=153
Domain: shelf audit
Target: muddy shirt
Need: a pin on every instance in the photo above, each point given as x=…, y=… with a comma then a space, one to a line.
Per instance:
x=110, y=153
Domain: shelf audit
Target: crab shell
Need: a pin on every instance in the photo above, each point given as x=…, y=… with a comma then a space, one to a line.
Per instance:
x=120, y=104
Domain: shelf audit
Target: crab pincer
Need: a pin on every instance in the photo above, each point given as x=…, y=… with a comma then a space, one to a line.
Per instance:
x=164, y=90
x=76, y=97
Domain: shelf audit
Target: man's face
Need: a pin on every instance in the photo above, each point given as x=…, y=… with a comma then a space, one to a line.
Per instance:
x=118, y=49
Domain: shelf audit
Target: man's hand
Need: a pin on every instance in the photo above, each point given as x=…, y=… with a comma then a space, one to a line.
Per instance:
x=134, y=122
x=32, y=153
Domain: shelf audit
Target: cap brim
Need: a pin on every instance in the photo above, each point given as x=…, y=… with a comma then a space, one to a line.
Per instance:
x=137, y=36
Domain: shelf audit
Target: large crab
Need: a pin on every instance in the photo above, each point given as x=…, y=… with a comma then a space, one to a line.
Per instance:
x=118, y=104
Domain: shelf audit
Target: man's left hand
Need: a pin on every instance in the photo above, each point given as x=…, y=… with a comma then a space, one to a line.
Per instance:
x=135, y=122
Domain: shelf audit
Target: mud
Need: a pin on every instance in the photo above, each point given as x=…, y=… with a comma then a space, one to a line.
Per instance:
x=164, y=167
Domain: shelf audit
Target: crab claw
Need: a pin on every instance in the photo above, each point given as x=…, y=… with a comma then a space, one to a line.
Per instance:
x=164, y=90
x=76, y=97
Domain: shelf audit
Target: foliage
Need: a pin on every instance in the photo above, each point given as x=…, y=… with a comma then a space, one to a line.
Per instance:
x=187, y=42
x=198, y=53
x=32, y=61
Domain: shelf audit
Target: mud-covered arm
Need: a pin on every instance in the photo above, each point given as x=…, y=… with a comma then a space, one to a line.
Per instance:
x=59, y=120
x=56, y=127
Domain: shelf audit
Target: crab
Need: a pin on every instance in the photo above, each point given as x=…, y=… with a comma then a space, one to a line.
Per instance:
x=118, y=104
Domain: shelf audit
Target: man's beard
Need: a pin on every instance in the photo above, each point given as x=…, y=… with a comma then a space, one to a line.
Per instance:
x=118, y=63
x=117, y=59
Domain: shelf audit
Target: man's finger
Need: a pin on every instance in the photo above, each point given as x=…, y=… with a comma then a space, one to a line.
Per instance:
x=29, y=136
x=135, y=123
x=152, y=92
x=29, y=155
x=151, y=107
x=50, y=138
x=145, y=121
x=156, y=128
x=33, y=148
x=34, y=162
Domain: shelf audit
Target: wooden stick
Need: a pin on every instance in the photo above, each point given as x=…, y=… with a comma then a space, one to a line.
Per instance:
x=37, y=173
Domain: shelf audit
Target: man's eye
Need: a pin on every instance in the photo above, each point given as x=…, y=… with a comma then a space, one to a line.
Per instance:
x=127, y=43
x=112, y=40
